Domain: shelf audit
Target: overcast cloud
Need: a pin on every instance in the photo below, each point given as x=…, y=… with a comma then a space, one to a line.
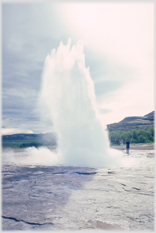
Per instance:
x=118, y=46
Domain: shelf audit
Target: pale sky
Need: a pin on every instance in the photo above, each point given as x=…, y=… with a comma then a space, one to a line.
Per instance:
x=118, y=46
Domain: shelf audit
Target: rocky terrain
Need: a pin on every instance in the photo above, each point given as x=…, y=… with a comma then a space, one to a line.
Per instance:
x=79, y=198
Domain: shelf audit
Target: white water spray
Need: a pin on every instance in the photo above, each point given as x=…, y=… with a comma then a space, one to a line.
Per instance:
x=68, y=95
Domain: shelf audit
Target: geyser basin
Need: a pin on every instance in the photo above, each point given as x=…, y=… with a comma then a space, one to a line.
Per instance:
x=68, y=98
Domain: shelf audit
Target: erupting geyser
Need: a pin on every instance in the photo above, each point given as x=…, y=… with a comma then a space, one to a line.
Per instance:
x=68, y=95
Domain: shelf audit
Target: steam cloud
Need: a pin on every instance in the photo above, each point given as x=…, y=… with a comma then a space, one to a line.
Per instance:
x=68, y=98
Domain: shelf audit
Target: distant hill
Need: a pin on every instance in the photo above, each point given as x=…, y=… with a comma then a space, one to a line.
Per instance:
x=17, y=140
x=117, y=131
x=136, y=129
x=133, y=122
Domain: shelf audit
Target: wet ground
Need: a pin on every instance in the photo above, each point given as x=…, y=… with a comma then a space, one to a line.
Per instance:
x=76, y=198
x=140, y=146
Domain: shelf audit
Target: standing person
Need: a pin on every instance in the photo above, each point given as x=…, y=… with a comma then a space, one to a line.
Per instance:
x=121, y=144
x=127, y=146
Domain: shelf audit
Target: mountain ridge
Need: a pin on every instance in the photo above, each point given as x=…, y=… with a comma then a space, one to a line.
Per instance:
x=133, y=122
x=50, y=139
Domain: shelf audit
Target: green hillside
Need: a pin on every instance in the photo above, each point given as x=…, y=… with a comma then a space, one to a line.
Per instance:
x=133, y=123
x=29, y=140
x=136, y=129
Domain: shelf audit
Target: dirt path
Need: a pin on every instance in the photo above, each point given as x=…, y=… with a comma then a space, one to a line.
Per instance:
x=147, y=146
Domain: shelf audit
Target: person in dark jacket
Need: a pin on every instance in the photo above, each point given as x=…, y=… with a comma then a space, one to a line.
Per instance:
x=127, y=146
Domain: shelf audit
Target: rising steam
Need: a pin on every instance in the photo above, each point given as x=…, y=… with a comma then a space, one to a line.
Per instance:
x=68, y=98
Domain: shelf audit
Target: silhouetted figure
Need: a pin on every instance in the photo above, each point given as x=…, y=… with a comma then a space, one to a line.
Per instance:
x=127, y=146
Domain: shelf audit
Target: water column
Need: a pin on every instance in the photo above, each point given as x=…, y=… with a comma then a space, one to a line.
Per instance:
x=68, y=96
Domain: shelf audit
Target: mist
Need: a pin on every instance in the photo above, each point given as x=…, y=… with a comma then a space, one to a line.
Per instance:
x=67, y=99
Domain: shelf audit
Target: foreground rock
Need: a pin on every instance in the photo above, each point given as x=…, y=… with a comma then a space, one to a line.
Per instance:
x=73, y=198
